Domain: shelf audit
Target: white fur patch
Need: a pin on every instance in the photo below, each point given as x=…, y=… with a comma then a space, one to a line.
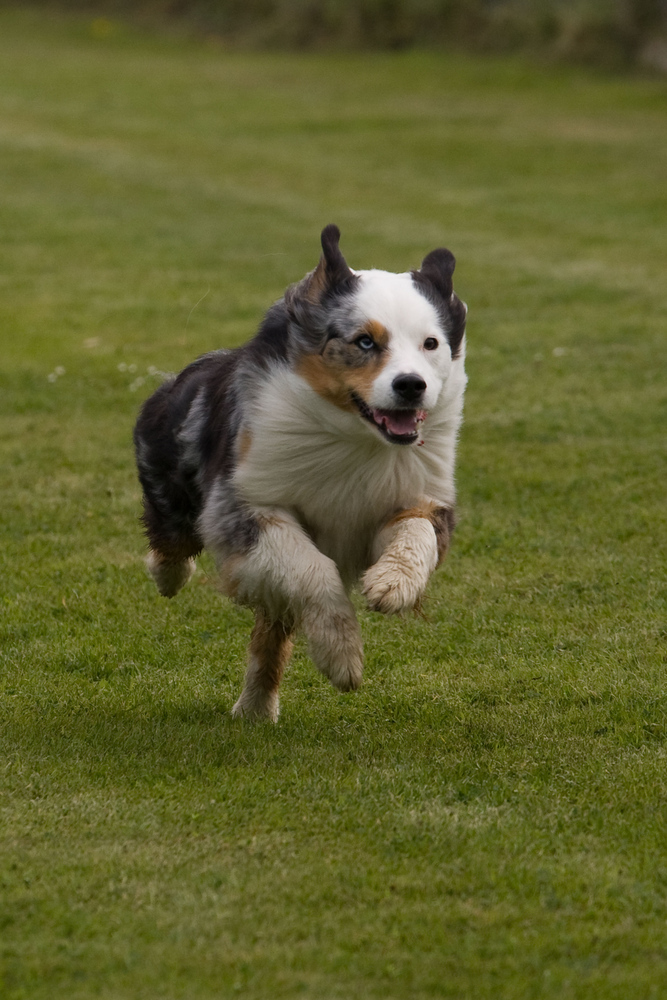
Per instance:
x=407, y=554
x=190, y=430
x=410, y=319
x=256, y=702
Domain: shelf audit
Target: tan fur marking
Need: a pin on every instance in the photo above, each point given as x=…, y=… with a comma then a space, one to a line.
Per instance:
x=361, y=380
x=442, y=519
x=425, y=509
x=159, y=559
x=272, y=647
x=229, y=582
x=377, y=331
x=170, y=574
x=176, y=552
x=326, y=380
x=245, y=441
x=317, y=283
x=228, y=576
x=342, y=370
x=268, y=520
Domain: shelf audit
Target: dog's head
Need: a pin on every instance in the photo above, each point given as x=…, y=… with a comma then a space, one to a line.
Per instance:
x=377, y=344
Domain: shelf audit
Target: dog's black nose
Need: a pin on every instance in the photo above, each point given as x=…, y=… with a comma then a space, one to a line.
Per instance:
x=409, y=387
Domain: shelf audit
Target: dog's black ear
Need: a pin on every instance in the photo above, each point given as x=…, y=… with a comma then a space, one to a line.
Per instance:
x=434, y=279
x=438, y=268
x=331, y=274
x=333, y=266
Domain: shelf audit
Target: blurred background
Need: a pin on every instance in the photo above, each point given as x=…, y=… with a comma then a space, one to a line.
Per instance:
x=610, y=33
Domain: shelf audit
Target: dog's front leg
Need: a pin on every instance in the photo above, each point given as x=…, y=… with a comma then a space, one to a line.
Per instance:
x=288, y=579
x=406, y=550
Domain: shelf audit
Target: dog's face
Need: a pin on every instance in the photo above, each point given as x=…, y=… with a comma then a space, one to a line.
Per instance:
x=377, y=344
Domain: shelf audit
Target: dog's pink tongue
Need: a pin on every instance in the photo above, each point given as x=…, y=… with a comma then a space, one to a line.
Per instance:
x=399, y=421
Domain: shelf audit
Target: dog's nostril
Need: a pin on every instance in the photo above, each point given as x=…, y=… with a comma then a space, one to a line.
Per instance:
x=409, y=387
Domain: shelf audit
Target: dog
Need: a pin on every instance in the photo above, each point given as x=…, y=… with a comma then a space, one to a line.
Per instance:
x=319, y=454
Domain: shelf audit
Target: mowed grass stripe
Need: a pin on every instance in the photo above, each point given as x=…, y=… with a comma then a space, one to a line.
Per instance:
x=486, y=816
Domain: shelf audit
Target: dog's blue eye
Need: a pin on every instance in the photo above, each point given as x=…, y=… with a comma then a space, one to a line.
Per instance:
x=430, y=344
x=366, y=343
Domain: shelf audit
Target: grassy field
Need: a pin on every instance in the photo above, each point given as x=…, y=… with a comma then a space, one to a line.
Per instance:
x=487, y=817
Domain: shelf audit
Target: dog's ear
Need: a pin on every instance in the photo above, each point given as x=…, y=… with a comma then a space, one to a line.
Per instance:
x=306, y=302
x=437, y=268
x=332, y=271
x=331, y=274
x=434, y=279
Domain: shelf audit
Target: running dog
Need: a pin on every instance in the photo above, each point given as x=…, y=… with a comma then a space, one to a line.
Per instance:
x=319, y=454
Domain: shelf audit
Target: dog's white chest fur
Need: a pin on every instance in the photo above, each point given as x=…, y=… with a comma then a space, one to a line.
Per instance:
x=333, y=473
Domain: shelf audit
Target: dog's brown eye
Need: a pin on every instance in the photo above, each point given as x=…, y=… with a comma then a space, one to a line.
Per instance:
x=365, y=342
x=430, y=344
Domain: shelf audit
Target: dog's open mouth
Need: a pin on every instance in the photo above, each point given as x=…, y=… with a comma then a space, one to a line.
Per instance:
x=397, y=426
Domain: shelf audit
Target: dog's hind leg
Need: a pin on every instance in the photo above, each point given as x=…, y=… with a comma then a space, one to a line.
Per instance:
x=169, y=573
x=170, y=560
x=268, y=655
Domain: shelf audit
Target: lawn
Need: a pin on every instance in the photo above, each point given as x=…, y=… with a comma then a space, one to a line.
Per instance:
x=487, y=816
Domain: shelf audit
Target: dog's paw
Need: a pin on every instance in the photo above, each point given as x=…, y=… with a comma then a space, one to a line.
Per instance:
x=343, y=668
x=397, y=581
x=334, y=642
x=169, y=577
x=255, y=707
x=391, y=589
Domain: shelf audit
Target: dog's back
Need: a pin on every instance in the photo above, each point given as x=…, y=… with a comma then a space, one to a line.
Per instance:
x=186, y=435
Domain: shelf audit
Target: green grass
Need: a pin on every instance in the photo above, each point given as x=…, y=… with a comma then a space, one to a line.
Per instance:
x=486, y=817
